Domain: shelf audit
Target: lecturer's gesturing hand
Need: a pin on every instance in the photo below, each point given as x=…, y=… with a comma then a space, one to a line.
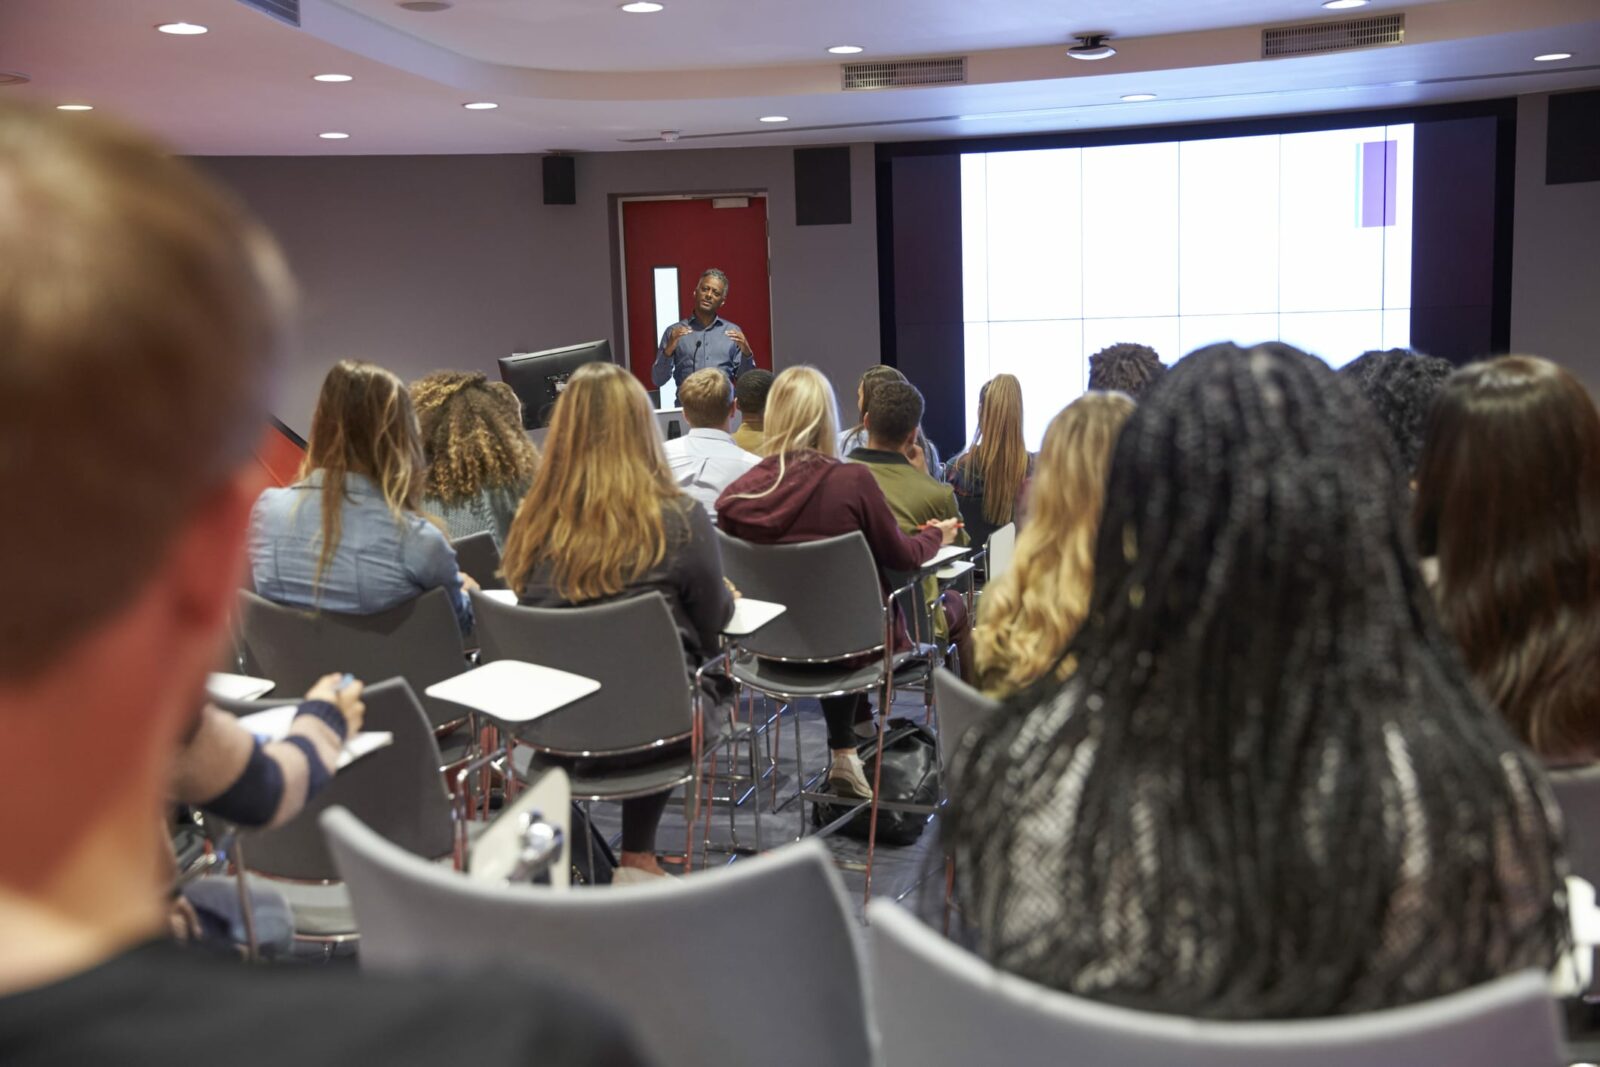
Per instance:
x=736, y=335
x=674, y=335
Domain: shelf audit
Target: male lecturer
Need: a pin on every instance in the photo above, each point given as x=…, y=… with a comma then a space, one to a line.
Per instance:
x=703, y=339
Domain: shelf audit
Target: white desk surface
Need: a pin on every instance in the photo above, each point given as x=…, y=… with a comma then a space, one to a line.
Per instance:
x=237, y=686
x=751, y=615
x=954, y=570
x=505, y=596
x=511, y=691
x=945, y=555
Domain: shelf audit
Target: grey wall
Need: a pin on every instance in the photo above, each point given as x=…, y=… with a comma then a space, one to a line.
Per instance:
x=423, y=262
x=1555, y=271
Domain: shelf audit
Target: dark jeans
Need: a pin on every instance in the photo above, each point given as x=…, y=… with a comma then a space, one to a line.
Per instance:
x=840, y=714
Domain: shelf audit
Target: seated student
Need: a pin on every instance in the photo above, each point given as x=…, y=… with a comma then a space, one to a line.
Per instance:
x=706, y=459
x=988, y=476
x=891, y=454
x=605, y=520
x=751, y=391
x=349, y=536
x=1401, y=385
x=1268, y=789
x=1125, y=368
x=802, y=492
x=856, y=436
x=1508, y=500
x=141, y=341
x=1032, y=610
x=480, y=461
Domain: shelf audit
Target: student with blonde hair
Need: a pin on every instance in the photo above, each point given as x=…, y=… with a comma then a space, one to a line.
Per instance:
x=803, y=492
x=480, y=461
x=349, y=536
x=1032, y=610
x=705, y=461
x=988, y=476
x=606, y=520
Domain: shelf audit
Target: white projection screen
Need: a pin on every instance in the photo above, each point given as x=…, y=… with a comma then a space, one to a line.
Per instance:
x=1298, y=237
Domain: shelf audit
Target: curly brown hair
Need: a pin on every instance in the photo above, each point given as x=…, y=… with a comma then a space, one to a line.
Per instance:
x=472, y=433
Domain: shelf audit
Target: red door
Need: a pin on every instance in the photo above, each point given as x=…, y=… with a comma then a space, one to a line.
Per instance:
x=667, y=241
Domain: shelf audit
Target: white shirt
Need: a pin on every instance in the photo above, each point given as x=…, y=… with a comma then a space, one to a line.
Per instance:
x=706, y=462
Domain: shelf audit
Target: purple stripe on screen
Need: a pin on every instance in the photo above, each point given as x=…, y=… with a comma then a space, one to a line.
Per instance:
x=1379, y=163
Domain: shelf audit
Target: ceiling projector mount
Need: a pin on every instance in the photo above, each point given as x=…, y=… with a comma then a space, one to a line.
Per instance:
x=1091, y=46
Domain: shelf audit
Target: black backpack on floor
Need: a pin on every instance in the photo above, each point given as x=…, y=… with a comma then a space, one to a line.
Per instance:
x=910, y=775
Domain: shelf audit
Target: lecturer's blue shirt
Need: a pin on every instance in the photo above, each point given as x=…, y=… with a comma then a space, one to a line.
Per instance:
x=701, y=347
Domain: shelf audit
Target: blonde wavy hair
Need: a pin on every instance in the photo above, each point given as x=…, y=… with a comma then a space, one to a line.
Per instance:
x=1032, y=610
x=364, y=424
x=594, y=513
x=802, y=418
x=472, y=435
x=998, y=451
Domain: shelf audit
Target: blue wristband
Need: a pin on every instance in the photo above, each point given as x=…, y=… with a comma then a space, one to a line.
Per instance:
x=319, y=774
x=325, y=712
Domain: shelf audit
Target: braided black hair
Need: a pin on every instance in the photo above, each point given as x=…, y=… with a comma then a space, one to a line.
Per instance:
x=1401, y=385
x=1269, y=789
x=1125, y=368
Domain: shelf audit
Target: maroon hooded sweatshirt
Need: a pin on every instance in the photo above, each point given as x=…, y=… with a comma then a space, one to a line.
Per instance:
x=820, y=498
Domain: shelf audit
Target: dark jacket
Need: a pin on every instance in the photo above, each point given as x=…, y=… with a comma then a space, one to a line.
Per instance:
x=689, y=576
x=818, y=498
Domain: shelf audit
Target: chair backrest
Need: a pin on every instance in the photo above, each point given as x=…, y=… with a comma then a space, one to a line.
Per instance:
x=631, y=647
x=397, y=790
x=960, y=707
x=477, y=556
x=1578, y=793
x=1002, y=546
x=938, y=1005
x=419, y=641
x=973, y=520
x=830, y=588
x=675, y=959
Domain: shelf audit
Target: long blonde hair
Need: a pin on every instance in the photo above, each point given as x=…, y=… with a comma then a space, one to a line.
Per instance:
x=594, y=513
x=802, y=418
x=998, y=451
x=1032, y=610
x=364, y=424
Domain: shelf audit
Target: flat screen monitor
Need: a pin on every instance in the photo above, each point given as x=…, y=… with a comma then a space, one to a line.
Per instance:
x=539, y=377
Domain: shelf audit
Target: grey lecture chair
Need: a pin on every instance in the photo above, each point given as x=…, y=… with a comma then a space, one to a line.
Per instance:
x=960, y=707
x=1578, y=792
x=419, y=641
x=675, y=959
x=836, y=638
x=646, y=699
x=939, y=1006
x=397, y=790
x=478, y=557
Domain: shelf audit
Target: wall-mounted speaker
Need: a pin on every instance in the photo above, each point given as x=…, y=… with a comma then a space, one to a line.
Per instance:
x=1572, y=138
x=560, y=180
x=822, y=186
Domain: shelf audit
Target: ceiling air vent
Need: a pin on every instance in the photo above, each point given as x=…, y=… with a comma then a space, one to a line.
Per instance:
x=903, y=73
x=1319, y=38
x=282, y=10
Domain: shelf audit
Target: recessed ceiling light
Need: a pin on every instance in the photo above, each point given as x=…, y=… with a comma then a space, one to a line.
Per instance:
x=642, y=7
x=331, y=78
x=425, y=7
x=182, y=29
x=1551, y=57
x=334, y=135
x=74, y=107
x=845, y=49
x=774, y=118
x=1134, y=98
x=1340, y=5
x=481, y=105
x=1091, y=46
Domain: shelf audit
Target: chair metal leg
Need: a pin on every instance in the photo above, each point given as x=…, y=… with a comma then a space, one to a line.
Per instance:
x=877, y=781
x=247, y=911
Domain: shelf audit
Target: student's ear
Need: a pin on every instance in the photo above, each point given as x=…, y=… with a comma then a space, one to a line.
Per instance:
x=205, y=567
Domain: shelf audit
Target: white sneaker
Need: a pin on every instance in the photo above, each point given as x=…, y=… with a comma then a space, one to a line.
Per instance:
x=635, y=876
x=849, y=777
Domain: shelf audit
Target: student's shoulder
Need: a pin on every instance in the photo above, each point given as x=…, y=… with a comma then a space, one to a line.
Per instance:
x=158, y=1003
